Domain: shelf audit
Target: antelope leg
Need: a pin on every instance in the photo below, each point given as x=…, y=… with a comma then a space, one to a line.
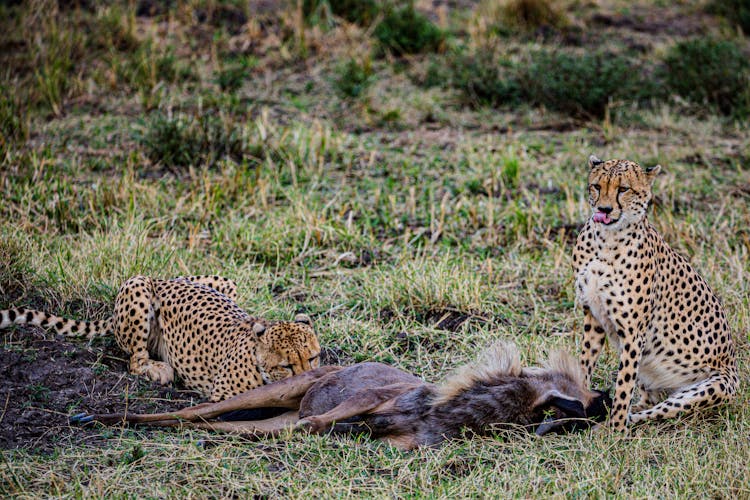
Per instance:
x=359, y=403
x=267, y=427
x=285, y=393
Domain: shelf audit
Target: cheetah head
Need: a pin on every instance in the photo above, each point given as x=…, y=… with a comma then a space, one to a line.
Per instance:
x=286, y=348
x=619, y=191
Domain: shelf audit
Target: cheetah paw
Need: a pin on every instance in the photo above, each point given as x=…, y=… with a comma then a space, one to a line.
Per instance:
x=158, y=371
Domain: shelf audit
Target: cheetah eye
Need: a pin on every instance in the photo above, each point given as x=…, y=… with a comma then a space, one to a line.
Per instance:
x=313, y=358
x=287, y=366
x=596, y=186
x=622, y=189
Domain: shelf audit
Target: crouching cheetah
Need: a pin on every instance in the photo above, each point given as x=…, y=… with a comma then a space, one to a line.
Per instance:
x=192, y=326
x=668, y=326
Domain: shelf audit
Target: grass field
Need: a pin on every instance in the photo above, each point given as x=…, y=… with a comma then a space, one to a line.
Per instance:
x=418, y=204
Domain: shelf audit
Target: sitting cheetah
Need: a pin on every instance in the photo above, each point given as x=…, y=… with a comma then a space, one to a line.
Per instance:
x=195, y=328
x=668, y=326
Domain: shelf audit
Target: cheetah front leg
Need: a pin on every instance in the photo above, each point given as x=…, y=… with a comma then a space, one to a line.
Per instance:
x=591, y=344
x=709, y=392
x=631, y=347
x=134, y=320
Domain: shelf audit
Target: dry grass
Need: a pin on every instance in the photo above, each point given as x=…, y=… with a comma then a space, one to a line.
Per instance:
x=413, y=229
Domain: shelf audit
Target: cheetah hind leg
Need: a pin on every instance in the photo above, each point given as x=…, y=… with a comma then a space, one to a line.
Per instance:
x=133, y=323
x=712, y=391
x=647, y=399
x=221, y=284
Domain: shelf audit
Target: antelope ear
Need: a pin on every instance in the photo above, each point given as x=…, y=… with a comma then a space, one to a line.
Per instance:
x=594, y=161
x=571, y=406
x=259, y=329
x=600, y=406
x=303, y=318
x=652, y=172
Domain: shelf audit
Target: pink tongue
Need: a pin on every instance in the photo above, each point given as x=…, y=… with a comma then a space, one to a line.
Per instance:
x=602, y=217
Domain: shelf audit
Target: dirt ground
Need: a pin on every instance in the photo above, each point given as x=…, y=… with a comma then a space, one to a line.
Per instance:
x=43, y=380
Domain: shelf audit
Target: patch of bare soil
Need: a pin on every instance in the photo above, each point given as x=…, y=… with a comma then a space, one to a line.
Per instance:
x=43, y=382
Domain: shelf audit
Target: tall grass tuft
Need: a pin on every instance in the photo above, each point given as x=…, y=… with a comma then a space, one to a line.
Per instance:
x=354, y=77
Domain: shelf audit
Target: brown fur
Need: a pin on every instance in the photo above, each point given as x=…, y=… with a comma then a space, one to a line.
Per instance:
x=403, y=410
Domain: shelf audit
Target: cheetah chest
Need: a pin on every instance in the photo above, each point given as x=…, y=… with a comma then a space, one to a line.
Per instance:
x=598, y=288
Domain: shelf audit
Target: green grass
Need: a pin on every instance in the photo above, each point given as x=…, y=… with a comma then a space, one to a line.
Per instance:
x=149, y=155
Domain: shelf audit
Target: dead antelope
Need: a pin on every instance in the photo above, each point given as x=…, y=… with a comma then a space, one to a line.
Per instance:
x=401, y=409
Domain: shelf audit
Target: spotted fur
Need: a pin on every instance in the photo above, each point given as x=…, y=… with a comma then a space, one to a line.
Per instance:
x=669, y=328
x=192, y=326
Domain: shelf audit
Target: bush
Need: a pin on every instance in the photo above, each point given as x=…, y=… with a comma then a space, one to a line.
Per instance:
x=581, y=85
x=362, y=12
x=483, y=81
x=710, y=71
x=530, y=15
x=736, y=12
x=183, y=140
x=353, y=78
x=403, y=30
x=170, y=141
x=231, y=78
x=234, y=72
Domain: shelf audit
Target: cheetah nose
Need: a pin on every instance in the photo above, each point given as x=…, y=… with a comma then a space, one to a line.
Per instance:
x=605, y=210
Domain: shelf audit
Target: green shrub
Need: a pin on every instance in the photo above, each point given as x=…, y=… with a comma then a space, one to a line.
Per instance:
x=183, y=140
x=234, y=71
x=483, y=81
x=171, y=141
x=710, y=71
x=530, y=15
x=403, y=30
x=230, y=78
x=362, y=12
x=353, y=78
x=736, y=12
x=582, y=85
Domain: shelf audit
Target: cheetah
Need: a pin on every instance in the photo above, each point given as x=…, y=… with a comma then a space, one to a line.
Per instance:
x=669, y=328
x=193, y=326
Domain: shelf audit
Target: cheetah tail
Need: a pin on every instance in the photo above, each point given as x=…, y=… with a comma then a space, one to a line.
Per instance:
x=62, y=326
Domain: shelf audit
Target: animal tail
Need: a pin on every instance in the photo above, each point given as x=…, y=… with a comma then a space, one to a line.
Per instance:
x=63, y=326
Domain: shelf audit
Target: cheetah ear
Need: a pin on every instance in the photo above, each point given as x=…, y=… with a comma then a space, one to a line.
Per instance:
x=594, y=161
x=259, y=329
x=303, y=318
x=652, y=172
